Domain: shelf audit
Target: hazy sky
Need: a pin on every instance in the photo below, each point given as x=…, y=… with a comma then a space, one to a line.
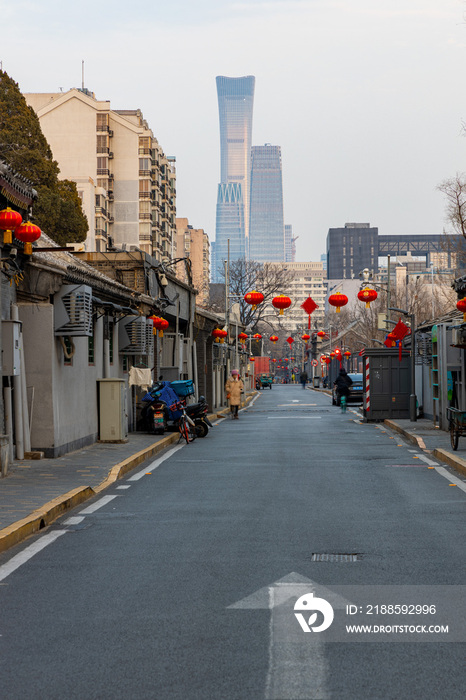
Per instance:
x=366, y=98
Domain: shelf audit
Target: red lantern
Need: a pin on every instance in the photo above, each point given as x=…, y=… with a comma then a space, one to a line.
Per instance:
x=273, y=338
x=338, y=300
x=252, y=359
x=281, y=302
x=218, y=335
x=27, y=233
x=242, y=337
x=461, y=306
x=321, y=334
x=254, y=298
x=347, y=353
x=9, y=221
x=328, y=360
x=257, y=336
x=161, y=324
x=332, y=355
x=305, y=337
x=367, y=294
x=274, y=360
x=290, y=340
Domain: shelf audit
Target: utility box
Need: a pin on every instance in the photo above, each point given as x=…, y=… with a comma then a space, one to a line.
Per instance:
x=112, y=410
x=387, y=384
x=11, y=348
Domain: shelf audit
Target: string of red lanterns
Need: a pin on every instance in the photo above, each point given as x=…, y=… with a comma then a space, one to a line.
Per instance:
x=11, y=222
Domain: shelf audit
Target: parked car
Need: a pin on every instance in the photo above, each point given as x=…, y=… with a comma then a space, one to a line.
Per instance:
x=356, y=390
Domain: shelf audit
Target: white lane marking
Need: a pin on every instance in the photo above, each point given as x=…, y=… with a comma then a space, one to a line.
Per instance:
x=156, y=463
x=294, y=417
x=128, y=486
x=452, y=479
x=427, y=460
x=95, y=506
x=28, y=553
x=75, y=520
x=414, y=451
x=299, y=405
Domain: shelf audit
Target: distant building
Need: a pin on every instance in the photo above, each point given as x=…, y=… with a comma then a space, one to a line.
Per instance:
x=126, y=183
x=235, y=104
x=288, y=243
x=309, y=281
x=323, y=259
x=358, y=246
x=266, y=229
x=193, y=243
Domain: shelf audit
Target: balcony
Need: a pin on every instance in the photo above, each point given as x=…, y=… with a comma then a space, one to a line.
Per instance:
x=144, y=195
x=102, y=171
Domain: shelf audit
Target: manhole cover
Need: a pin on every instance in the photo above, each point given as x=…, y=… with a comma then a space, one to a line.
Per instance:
x=335, y=557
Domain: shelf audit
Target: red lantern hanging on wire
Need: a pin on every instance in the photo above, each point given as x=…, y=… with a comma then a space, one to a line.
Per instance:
x=367, y=295
x=347, y=354
x=252, y=359
x=9, y=222
x=338, y=300
x=309, y=306
x=461, y=306
x=28, y=233
x=321, y=334
x=305, y=337
x=290, y=341
x=242, y=337
x=328, y=360
x=254, y=298
x=274, y=359
x=257, y=336
x=281, y=302
x=273, y=338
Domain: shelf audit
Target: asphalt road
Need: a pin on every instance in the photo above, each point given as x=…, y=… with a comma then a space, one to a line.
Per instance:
x=166, y=590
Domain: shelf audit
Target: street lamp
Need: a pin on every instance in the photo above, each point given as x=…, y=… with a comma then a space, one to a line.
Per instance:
x=412, y=397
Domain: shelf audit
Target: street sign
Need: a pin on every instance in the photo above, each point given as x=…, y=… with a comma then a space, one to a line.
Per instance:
x=314, y=363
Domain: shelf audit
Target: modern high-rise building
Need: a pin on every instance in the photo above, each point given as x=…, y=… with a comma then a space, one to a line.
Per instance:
x=266, y=228
x=235, y=106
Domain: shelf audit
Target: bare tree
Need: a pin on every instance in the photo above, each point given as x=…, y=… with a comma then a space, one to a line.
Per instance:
x=269, y=278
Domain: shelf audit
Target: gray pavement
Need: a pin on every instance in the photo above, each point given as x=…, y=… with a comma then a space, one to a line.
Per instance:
x=36, y=492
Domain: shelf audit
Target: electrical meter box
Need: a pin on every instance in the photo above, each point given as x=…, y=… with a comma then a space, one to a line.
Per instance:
x=11, y=350
x=112, y=410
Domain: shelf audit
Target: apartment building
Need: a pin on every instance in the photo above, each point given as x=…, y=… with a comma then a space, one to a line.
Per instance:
x=309, y=281
x=193, y=243
x=126, y=183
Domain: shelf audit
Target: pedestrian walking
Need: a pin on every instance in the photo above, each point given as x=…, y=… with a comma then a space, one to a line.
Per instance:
x=234, y=388
x=303, y=378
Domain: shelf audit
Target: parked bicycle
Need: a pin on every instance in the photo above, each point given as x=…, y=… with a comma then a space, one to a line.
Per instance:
x=186, y=425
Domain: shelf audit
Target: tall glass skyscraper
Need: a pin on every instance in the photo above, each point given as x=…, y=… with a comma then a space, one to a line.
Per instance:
x=266, y=229
x=235, y=105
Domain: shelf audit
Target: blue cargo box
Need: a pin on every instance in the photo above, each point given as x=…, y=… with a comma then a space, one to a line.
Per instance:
x=183, y=387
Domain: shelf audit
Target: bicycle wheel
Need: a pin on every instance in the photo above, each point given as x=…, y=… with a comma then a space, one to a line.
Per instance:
x=454, y=436
x=184, y=429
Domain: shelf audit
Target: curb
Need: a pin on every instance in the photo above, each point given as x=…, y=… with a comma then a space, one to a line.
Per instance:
x=414, y=439
x=456, y=462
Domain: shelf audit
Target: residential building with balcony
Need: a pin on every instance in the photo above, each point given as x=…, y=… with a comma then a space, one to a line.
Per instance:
x=126, y=183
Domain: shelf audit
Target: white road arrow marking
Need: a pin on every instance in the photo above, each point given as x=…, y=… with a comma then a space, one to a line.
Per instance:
x=297, y=663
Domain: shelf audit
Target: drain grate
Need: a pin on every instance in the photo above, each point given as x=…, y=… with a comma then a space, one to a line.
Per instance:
x=336, y=557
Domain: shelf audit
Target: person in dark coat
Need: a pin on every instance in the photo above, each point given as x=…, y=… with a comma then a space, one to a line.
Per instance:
x=303, y=378
x=342, y=384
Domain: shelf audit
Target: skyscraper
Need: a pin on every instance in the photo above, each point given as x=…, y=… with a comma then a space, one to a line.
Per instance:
x=266, y=229
x=235, y=105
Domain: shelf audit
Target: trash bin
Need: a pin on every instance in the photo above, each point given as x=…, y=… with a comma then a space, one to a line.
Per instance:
x=316, y=382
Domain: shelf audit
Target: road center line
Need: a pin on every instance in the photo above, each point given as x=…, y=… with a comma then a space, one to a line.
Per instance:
x=28, y=553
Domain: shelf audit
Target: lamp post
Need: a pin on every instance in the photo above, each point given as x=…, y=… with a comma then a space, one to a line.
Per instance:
x=412, y=397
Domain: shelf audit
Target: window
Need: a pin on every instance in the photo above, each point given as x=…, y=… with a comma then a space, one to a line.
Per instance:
x=102, y=144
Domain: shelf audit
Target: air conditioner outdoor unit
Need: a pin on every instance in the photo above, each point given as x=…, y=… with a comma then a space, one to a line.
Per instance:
x=72, y=310
x=133, y=336
x=458, y=337
x=110, y=155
